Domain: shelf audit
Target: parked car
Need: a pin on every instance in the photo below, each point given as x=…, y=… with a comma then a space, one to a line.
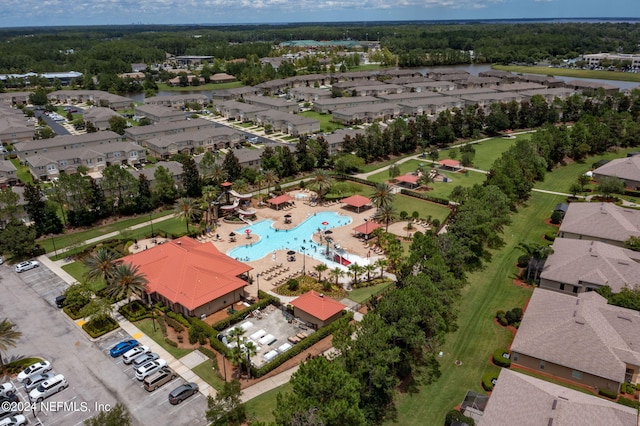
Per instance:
x=8, y=414
x=25, y=266
x=149, y=368
x=1, y=260
x=12, y=397
x=122, y=347
x=16, y=420
x=7, y=389
x=132, y=354
x=60, y=301
x=182, y=392
x=48, y=388
x=144, y=358
x=33, y=369
x=34, y=381
x=159, y=378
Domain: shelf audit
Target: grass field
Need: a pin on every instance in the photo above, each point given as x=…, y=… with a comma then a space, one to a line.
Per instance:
x=473, y=343
x=146, y=326
x=361, y=295
x=487, y=151
x=605, y=75
x=22, y=172
x=210, y=86
x=326, y=125
x=208, y=374
x=261, y=407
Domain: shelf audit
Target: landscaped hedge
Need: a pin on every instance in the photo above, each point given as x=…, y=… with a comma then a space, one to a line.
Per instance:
x=306, y=343
x=139, y=313
x=109, y=325
x=426, y=197
x=179, y=328
x=488, y=379
x=608, y=393
x=628, y=388
x=355, y=179
x=170, y=342
x=500, y=360
x=550, y=236
x=456, y=417
x=73, y=312
x=178, y=317
x=629, y=402
x=240, y=315
x=19, y=365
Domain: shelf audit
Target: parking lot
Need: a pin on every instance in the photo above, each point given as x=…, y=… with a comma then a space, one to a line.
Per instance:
x=95, y=379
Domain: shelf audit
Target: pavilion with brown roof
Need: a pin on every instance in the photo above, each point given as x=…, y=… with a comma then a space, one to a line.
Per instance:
x=449, y=164
x=366, y=228
x=357, y=201
x=279, y=200
x=316, y=309
x=409, y=180
x=189, y=277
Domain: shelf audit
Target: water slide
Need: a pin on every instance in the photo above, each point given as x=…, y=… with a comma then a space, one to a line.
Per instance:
x=238, y=195
x=236, y=203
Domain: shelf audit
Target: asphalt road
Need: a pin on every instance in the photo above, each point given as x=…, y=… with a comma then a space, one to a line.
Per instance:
x=95, y=379
x=55, y=126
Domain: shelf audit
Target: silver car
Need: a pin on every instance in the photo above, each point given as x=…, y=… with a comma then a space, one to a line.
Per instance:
x=25, y=266
x=33, y=381
x=144, y=358
x=149, y=368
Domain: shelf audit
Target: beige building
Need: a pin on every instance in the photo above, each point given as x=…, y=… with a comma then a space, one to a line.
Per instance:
x=580, y=339
x=627, y=169
x=604, y=222
x=191, y=142
x=142, y=133
x=159, y=114
x=316, y=309
x=62, y=143
x=99, y=117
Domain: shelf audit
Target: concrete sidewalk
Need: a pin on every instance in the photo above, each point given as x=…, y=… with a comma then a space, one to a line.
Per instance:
x=267, y=384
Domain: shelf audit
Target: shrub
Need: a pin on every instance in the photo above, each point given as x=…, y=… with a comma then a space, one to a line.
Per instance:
x=523, y=261
x=293, y=284
x=178, y=317
x=454, y=416
x=170, y=342
x=174, y=324
x=608, y=393
x=500, y=359
x=550, y=236
x=95, y=330
x=502, y=319
x=197, y=334
x=19, y=365
x=488, y=381
x=628, y=388
x=556, y=217
x=73, y=311
x=265, y=300
x=629, y=402
x=163, y=326
x=135, y=311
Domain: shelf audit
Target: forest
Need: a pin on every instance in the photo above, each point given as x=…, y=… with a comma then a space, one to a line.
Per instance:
x=112, y=49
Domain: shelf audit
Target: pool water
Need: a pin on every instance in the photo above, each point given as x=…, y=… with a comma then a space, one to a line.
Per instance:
x=272, y=239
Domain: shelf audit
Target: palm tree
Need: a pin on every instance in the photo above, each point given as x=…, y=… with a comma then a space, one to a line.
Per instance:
x=320, y=268
x=385, y=214
x=381, y=263
x=382, y=195
x=259, y=179
x=369, y=269
x=209, y=195
x=270, y=178
x=336, y=273
x=321, y=182
x=235, y=334
x=8, y=338
x=101, y=265
x=355, y=271
x=187, y=209
x=126, y=281
x=249, y=350
x=218, y=175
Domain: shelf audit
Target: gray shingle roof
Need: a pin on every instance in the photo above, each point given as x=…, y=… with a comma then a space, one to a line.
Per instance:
x=522, y=400
x=601, y=220
x=582, y=261
x=627, y=168
x=582, y=333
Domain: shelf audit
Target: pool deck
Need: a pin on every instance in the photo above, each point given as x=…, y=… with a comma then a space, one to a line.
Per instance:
x=343, y=235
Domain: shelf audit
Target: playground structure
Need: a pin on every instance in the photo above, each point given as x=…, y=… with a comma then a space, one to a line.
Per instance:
x=240, y=204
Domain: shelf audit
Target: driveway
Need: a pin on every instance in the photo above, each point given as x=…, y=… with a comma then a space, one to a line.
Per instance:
x=95, y=379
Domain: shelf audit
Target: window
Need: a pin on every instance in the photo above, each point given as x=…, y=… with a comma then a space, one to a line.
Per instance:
x=562, y=287
x=576, y=374
x=117, y=154
x=575, y=289
x=541, y=365
x=515, y=357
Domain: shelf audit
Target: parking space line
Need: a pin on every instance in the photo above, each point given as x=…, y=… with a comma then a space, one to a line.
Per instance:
x=182, y=404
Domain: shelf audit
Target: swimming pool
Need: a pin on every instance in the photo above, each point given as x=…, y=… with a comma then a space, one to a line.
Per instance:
x=272, y=239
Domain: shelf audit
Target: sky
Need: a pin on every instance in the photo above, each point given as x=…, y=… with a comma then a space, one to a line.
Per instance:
x=18, y=13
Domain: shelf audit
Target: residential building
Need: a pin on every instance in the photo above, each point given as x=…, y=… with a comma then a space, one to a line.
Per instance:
x=591, y=86
x=366, y=113
x=62, y=143
x=578, y=266
x=95, y=97
x=408, y=96
x=291, y=124
x=191, y=278
x=275, y=104
x=316, y=309
x=430, y=106
x=99, y=117
x=519, y=399
x=19, y=213
x=309, y=94
x=15, y=98
x=336, y=139
x=175, y=169
x=328, y=105
x=549, y=94
x=178, y=101
x=378, y=89
x=604, y=222
x=431, y=86
x=210, y=139
x=159, y=114
x=240, y=111
x=484, y=100
x=627, y=169
x=14, y=128
x=235, y=93
x=8, y=174
x=222, y=77
x=579, y=339
x=49, y=165
x=142, y=133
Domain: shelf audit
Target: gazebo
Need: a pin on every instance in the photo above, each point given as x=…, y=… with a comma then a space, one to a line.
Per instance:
x=366, y=229
x=356, y=201
x=449, y=164
x=279, y=200
x=410, y=180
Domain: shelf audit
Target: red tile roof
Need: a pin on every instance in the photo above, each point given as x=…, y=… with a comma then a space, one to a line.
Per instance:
x=280, y=199
x=367, y=228
x=317, y=306
x=408, y=178
x=188, y=272
x=449, y=163
x=356, y=201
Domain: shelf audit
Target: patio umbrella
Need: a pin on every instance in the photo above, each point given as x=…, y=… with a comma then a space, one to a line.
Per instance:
x=232, y=234
x=328, y=232
x=291, y=252
x=287, y=215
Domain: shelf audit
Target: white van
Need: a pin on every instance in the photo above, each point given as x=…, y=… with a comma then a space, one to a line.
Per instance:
x=48, y=388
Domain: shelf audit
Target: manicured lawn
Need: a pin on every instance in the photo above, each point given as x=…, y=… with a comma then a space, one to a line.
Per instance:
x=22, y=172
x=361, y=295
x=478, y=336
x=563, y=176
x=378, y=164
x=75, y=238
x=605, y=75
x=208, y=374
x=487, y=151
x=146, y=326
x=406, y=167
x=261, y=407
x=326, y=125
x=77, y=270
x=424, y=208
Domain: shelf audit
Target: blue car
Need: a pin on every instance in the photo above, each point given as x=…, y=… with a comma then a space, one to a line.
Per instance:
x=123, y=347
